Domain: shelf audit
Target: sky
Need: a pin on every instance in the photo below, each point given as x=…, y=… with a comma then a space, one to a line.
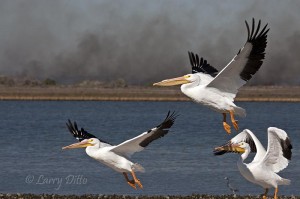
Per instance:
x=140, y=41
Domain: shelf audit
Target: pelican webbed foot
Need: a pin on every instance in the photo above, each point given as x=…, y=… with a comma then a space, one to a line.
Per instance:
x=234, y=122
x=130, y=182
x=137, y=181
x=225, y=125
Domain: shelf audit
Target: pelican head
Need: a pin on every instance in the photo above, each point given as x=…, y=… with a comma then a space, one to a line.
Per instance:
x=243, y=146
x=83, y=144
x=189, y=78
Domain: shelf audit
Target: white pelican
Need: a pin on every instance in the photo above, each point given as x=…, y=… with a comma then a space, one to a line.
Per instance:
x=116, y=156
x=266, y=164
x=218, y=90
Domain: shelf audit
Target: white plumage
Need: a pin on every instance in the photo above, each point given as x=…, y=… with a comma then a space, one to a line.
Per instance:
x=217, y=90
x=116, y=156
x=266, y=164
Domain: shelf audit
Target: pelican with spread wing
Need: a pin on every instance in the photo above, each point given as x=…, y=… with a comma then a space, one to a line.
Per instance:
x=266, y=164
x=116, y=156
x=217, y=90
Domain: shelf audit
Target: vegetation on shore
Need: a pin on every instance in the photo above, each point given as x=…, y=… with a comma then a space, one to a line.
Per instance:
x=119, y=90
x=6, y=81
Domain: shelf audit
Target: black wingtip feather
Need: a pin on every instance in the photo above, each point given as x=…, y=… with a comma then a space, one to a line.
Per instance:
x=257, y=54
x=257, y=29
x=248, y=30
x=169, y=120
x=286, y=148
x=190, y=58
x=262, y=33
x=201, y=65
x=78, y=134
x=253, y=26
x=197, y=58
x=161, y=130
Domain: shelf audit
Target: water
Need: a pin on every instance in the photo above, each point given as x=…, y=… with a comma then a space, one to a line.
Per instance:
x=32, y=134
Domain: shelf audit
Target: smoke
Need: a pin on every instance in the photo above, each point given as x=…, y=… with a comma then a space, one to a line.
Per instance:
x=141, y=41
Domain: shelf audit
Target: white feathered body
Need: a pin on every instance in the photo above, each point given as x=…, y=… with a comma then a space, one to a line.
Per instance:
x=211, y=97
x=113, y=160
x=266, y=164
x=258, y=174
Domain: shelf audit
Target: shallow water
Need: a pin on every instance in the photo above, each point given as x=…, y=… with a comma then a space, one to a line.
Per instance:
x=33, y=132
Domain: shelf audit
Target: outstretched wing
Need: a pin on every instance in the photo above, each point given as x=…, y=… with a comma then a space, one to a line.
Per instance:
x=78, y=134
x=201, y=66
x=279, y=150
x=245, y=64
x=138, y=143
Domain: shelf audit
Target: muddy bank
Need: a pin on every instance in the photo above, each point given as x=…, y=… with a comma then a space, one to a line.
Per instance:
x=276, y=94
x=54, y=196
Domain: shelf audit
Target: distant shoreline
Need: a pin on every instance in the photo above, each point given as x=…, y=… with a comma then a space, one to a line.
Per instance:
x=71, y=93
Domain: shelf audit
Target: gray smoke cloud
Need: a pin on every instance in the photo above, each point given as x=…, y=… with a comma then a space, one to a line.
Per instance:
x=142, y=41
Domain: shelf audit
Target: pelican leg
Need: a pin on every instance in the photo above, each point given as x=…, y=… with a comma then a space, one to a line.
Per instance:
x=225, y=125
x=265, y=194
x=275, y=193
x=137, y=181
x=234, y=122
x=130, y=182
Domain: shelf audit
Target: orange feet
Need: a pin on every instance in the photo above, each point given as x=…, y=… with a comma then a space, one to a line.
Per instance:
x=275, y=194
x=137, y=181
x=133, y=182
x=225, y=125
x=130, y=182
x=234, y=122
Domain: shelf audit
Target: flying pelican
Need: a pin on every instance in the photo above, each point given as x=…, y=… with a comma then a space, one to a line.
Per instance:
x=218, y=90
x=266, y=164
x=116, y=156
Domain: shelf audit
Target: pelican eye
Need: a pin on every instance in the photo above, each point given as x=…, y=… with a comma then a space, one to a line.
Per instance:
x=91, y=140
x=187, y=76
